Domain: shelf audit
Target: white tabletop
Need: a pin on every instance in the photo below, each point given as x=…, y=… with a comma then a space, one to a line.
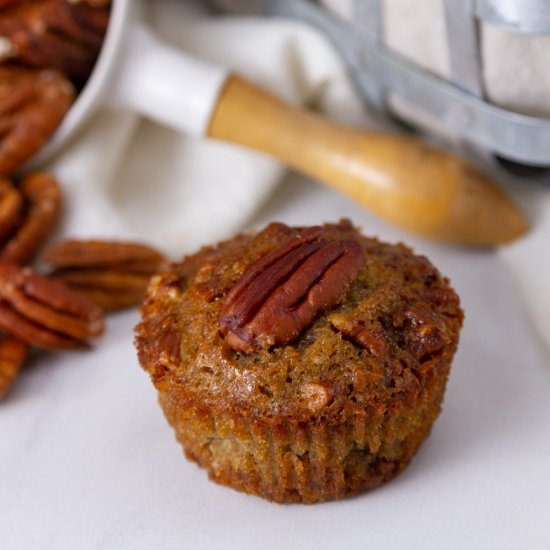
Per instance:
x=88, y=461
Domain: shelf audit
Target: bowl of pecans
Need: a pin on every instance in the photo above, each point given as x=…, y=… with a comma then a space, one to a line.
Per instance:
x=51, y=64
x=62, y=59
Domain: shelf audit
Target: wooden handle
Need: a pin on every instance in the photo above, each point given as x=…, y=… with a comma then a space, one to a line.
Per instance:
x=397, y=177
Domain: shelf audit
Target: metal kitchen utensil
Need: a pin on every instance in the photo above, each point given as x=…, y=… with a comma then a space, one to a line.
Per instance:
x=459, y=103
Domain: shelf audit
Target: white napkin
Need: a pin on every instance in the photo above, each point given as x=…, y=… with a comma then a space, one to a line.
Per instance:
x=125, y=177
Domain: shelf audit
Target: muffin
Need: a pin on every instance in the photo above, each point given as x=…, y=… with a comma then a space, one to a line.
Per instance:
x=300, y=364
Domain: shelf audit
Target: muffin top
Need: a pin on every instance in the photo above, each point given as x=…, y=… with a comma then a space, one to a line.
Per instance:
x=298, y=323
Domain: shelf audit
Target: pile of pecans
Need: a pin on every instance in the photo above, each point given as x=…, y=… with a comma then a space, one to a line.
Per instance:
x=61, y=307
x=47, y=51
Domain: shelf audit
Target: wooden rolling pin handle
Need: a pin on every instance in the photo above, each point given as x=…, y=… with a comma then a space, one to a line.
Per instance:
x=397, y=177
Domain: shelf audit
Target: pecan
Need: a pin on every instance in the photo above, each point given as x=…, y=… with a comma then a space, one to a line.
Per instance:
x=110, y=290
x=114, y=275
x=370, y=338
x=55, y=34
x=45, y=313
x=32, y=104
x=442, y=297
x=424, y=330
x=13, y=353
x=280, y=295
x=11, y=206
x=135, y=257
x=8, y=3
x=43, y=200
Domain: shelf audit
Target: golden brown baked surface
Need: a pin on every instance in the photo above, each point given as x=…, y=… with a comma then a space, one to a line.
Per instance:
x=340, y=408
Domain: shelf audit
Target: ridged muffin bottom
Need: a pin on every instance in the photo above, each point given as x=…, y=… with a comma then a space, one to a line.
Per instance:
x=286, y=460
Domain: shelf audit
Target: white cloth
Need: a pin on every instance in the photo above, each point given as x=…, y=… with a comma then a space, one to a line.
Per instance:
x=129, y=178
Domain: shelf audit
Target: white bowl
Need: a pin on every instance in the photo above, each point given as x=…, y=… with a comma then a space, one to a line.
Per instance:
x=136, y=71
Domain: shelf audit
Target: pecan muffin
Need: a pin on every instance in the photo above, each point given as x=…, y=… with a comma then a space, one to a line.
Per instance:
x=300, y=364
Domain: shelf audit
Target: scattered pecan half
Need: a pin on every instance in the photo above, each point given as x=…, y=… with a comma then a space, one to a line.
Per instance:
x=41, y=198
x=113, y=275
x=13, y=353
x=32, y=105
x=11, y=207
x=8, y=3
x=55, y=34
x=45, y=313
x=280, y=295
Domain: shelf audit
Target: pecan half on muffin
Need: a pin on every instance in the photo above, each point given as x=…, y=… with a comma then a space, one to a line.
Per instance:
x=300, y=364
